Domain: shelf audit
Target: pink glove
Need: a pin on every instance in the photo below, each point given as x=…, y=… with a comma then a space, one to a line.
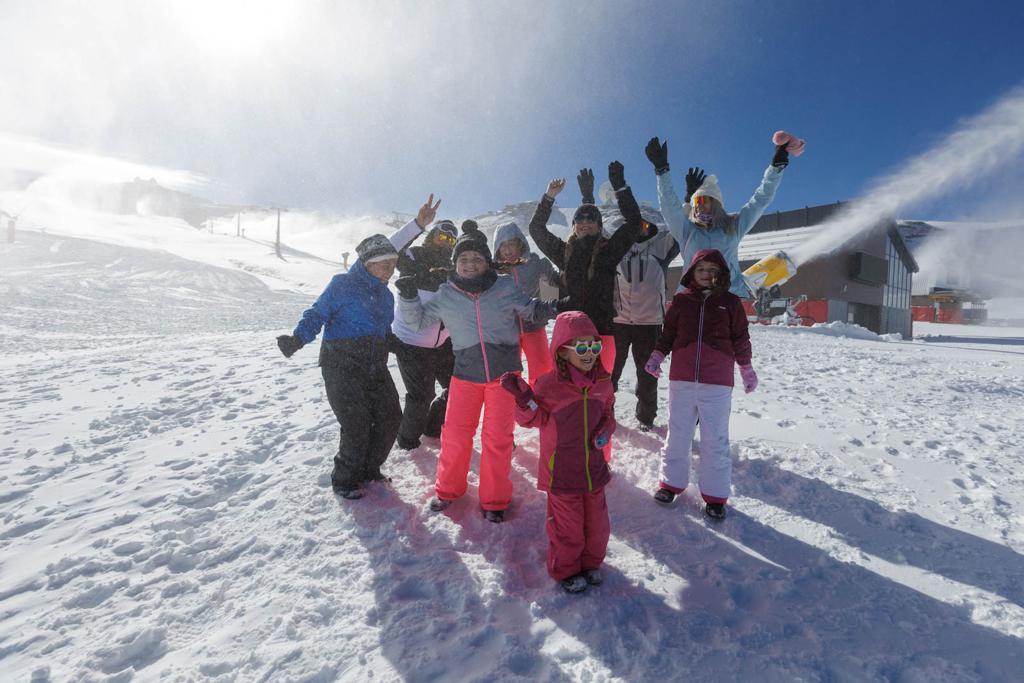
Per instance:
x=517, y=386
x=794, y=145
x=749, y=378
x=653, y=364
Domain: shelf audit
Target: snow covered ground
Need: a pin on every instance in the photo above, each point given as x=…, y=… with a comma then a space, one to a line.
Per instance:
x=167, y=514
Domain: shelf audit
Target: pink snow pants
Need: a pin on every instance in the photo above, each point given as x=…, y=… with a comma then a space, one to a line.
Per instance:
x=713, y=403
x=538, y=355
x=465, y=399
x=578, y=530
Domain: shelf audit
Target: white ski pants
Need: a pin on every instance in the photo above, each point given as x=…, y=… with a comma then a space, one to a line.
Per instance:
x=712, y=403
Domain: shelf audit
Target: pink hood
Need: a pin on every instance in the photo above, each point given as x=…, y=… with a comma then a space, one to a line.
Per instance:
x=568, y=326
x=714, y=256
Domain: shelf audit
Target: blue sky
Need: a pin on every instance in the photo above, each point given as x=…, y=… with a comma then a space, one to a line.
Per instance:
x=367, y=107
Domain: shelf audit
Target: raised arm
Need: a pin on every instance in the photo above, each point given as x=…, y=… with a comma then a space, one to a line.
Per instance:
x=673, y=210
x=553, y=247
x=628, y=233
x=758, y=203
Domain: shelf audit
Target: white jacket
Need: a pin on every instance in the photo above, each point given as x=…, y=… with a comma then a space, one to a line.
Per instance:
x=640, y=281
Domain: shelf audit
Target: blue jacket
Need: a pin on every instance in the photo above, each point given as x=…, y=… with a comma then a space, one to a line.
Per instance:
x=692, y=238
x=355, y=304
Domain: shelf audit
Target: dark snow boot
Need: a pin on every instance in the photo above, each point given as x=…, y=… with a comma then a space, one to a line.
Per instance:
x=574, y=584
x=664, y=496
x=349, y=494
x=496, y=516
x=439, y=504
x=593, y=577
x=715, y=510
x=645, y=426
x=407, y=444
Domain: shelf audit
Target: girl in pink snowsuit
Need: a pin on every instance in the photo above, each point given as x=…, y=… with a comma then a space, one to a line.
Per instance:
x=573, y=405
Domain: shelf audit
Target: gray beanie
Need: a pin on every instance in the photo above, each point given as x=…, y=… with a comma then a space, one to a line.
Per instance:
x=376, y=248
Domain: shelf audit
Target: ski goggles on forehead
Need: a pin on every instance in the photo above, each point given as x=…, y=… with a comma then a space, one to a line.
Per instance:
x=701, y=201
x=581, y=348
x=446, y=238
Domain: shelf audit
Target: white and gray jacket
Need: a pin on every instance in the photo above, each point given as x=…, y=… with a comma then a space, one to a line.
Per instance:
x=484, y=326
x=640, y=281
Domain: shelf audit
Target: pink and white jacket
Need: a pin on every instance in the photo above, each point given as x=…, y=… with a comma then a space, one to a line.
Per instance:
x=572, y=412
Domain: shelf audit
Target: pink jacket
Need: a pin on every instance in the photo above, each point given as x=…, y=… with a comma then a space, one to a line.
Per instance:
x=705, y=333
x=572, y=411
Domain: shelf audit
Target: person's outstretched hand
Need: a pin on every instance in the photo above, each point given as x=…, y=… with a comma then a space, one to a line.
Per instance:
x=617, y=175
x=781, y=158
x=406, y=286
x=514, y=384
x=427, y=212
x=749, y=378
x=554, y=187
x=586, y=183
x=657, y=153
x=653, y=364
x=289, y=344
x=694, y=179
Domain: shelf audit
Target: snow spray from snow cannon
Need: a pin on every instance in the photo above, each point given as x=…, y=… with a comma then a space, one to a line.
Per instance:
x=764, y=279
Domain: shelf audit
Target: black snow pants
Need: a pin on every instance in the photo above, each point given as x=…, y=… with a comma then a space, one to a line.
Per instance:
x=642, y=338
x=424, y=409
x=364, y=399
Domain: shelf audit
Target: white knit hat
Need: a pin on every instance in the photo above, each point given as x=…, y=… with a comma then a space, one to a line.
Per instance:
x=710, y=189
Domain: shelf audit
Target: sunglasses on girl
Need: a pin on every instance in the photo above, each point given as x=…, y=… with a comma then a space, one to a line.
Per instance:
x=701, y=200
x=581, y=348
x=446, y=238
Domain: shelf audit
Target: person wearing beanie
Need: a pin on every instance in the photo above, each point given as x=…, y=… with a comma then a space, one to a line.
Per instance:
x=470, y=227
x=481, y=312
x=701, y=222
x=706, y=332
x=527, y=269
x=425, y=356
x=355, y=313
x=574, y=407
x=639, y=312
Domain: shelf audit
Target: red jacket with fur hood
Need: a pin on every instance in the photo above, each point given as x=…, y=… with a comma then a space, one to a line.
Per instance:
x=705, y=330
x=572, y=410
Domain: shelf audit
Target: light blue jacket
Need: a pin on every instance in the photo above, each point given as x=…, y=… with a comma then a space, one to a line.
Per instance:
x=692, y=238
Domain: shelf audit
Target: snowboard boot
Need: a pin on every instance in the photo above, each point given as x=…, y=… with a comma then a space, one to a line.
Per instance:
x=715, y=510
x=664, y=496
x=496, y=516
x=645, y=426
x=593, y=577
x=574, y=584
x=439, y=504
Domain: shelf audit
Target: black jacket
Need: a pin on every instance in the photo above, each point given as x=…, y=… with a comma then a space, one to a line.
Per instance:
x=429, y=265
x=589, y=264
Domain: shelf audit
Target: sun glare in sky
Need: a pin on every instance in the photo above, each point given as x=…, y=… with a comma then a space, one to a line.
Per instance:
x=235, y=29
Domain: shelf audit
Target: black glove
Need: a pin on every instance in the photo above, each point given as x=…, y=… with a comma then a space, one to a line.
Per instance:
x=289, y=344
x=470, y=227
x=657, y=152
x=406, y=286
x=694, y=179
x=586, y=181
x=781, y=158
x=617, y=175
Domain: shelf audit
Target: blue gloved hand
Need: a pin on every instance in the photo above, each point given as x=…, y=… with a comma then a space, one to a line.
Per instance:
x=601, y=440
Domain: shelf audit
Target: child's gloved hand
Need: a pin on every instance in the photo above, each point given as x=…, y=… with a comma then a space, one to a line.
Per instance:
x=289, y=344
x=517, y=386
x=653, y=364
x=601, y=440
x=749, y=378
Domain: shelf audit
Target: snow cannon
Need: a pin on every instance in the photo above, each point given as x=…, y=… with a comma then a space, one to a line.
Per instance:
x=769, y=272
x=764, y=279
